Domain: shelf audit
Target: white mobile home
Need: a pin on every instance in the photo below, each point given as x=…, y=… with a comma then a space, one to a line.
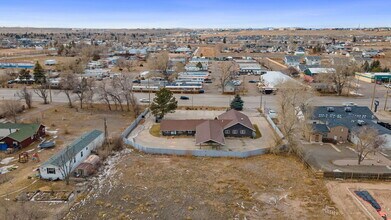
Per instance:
x=65, y=161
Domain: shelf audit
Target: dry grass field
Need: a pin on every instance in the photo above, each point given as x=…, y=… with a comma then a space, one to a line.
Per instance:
x=168, y=187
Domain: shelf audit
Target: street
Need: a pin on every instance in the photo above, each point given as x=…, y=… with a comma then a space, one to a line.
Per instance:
x=217, y=100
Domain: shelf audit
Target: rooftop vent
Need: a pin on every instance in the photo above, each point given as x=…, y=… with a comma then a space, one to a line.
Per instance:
x=330, y=109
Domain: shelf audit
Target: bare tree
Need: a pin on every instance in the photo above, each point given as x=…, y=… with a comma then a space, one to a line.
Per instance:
x=12, y=108
x=27, y=96
x=226, y=72
x=159, y=62
x=367, y=141
x=129, y=65
x=67, y=161
x=103, y=94
x=340, y=78
x=83, y=90
x=136, y=108
x=293, y=100
x=42, y=90
x=116, y=93
x=67, y=86
x=125, y=83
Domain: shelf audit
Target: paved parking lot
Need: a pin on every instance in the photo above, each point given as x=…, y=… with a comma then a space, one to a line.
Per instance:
x=142, y=136
x=343, y=158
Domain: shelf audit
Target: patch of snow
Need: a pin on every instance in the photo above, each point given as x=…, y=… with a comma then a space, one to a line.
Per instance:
x=52, y=132
x=6, y=169
x=7, y=160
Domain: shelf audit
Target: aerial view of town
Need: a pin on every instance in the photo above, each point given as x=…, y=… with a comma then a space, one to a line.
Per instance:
x=205, y=109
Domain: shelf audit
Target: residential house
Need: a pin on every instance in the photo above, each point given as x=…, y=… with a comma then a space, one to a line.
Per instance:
x=64, y=162
x=312, y=60
x=211, y=131
x=17, y=136
x=292, y=60
x=316, y=71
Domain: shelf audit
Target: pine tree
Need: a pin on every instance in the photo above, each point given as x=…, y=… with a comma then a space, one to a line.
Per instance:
x=24, y=74
x=224, y=40
x=39, y=73
x=199, y=65
x=237, y=103
x=163, y=103
x=365, y=67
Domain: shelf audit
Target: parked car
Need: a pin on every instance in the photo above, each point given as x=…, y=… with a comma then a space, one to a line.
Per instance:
x=387, y=86
x=184, y=98
x=136, y=81
x=272, y=113
x=144, y=100
x=349, y=104
x=252, y=81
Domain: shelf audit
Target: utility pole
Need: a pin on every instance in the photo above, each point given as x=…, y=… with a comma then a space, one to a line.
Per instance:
x=388, y=89
x=373, y=94
x=149, y=93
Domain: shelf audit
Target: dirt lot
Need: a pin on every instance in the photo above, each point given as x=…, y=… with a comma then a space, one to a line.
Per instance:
x=353, y=207
x=66, y=124
x=166, y=187
x=207, y=51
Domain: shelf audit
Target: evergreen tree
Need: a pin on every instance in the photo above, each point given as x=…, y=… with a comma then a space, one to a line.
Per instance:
x=39, y=73
x=24, y=74
x=199, y=65
x=224, y=40
x=237, y=103
x=163, y=103
x=365, y=67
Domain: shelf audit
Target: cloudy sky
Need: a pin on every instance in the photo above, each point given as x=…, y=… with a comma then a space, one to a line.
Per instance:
x=195, y=13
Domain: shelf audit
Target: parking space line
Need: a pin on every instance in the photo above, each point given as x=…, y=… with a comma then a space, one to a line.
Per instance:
x=336, y=148
x=352, y=149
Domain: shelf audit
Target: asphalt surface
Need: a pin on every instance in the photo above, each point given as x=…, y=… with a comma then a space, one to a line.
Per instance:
x=320, y=157
x=217, y=100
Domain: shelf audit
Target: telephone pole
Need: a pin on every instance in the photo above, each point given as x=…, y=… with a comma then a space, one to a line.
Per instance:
x=373, y=94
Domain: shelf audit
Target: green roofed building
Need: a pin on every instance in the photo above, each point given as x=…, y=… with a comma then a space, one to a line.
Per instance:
x=13, y=135
x=64, y=162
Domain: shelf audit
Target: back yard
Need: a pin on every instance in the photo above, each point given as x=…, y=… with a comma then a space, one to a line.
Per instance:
x=142, y=186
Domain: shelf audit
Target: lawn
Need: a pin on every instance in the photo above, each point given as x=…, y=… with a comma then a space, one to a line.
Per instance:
x=155, y=130
x=257, y=132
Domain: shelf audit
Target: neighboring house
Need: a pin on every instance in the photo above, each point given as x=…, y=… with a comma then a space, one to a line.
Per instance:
x=361, y=60
x=316, y=71
x=71, y=156
x=229, y=124
x=338, y=123
x=312, y=60
x=20, y=135
x=292, y=60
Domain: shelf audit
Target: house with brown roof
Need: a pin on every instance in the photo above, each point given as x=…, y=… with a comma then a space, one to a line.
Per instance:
x=211, y=131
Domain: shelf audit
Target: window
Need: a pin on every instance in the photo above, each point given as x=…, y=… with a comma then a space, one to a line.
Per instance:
x=234, y=131
x=81, y=154
x=51, y=170
x=74, y=159
x=242, y=131
x=227, y=132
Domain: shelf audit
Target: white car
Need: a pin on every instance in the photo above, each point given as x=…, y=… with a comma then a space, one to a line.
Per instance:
x=272, y=113
x=349, y=104
x=387, y=86
x=144, y=100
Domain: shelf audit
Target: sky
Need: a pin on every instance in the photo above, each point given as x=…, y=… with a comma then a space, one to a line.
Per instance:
x=195, y=13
